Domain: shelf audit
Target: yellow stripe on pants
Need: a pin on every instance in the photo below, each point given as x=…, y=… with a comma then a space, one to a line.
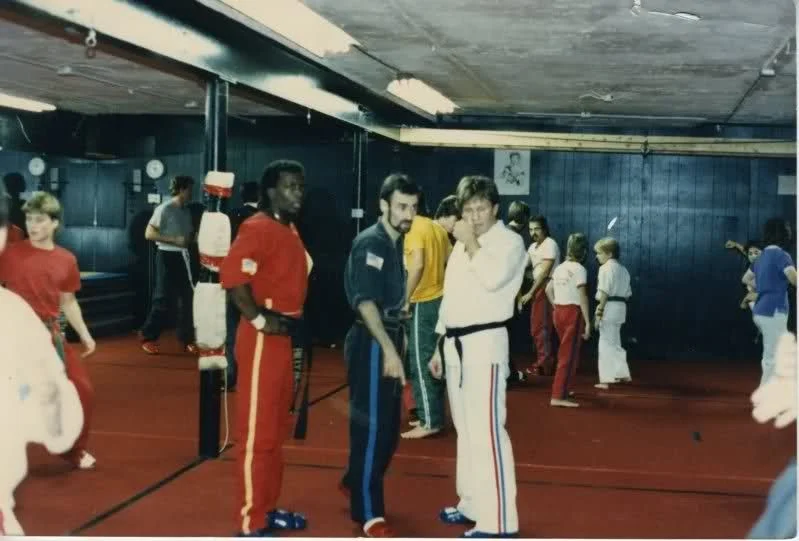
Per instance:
x=253, y=415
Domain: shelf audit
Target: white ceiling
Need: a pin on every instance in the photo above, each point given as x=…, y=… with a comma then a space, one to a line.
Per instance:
x=544, y=58
x=551, y=56
x=30, y=61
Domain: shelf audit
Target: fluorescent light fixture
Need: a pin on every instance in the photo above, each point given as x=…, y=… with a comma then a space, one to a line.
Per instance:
x=687, y=16
x=301, y=90
x=14, y=102
x=420, y=95
x=297, y=22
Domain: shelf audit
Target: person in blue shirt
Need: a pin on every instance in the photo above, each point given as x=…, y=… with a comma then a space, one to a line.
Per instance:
x=774, y=270
x=375, y=283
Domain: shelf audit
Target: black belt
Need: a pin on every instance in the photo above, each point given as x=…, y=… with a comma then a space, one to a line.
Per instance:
x=298, y=330
x=617, y=299
x=458, y=332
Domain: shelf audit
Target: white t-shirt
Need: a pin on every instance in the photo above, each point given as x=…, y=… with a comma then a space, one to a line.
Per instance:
x=566, y=278
x=172, y=221
x=541, y=251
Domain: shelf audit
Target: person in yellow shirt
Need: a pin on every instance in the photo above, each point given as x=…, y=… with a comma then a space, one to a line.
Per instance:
x=427, y=248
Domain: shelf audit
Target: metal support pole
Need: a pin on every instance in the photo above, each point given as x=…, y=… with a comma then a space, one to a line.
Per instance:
x=359, y=142
x=216, y=107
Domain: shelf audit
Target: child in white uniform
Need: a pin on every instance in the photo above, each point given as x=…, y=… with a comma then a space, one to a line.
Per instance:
x=613, y=291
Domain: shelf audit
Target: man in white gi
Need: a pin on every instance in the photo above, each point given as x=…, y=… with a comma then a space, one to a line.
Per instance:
x=483, y=275
x=38, y=403
x=612, y=292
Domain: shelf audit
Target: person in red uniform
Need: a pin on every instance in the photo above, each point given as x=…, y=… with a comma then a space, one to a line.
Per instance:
x=568, y=293
x=266, y=273
x=46, y=276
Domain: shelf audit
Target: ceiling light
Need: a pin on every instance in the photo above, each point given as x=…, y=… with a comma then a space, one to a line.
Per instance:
x=14, y=102
x=297, y=22
x=420, y=95
x=687, y=16
x=303, y=91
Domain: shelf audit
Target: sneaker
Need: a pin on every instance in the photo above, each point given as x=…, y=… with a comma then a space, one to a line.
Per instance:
x=378, y=528
x=150, y=347
x=280, y=519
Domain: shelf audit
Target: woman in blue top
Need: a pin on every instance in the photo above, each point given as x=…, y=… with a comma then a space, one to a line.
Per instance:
x=774, y=269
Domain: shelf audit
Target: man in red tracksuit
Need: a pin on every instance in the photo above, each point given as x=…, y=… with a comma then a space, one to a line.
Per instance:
x=46, y=276
x=266, y=272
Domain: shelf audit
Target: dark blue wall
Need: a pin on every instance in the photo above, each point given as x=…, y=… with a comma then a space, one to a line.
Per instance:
x=674, y=215
x=674, y=212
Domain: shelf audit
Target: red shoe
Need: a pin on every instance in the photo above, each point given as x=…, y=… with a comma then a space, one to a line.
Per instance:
x=379, y=529
x=150, y=348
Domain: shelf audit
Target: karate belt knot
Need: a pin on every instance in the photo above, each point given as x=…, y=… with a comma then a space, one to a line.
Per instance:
x=458, y=332
x=53, y=325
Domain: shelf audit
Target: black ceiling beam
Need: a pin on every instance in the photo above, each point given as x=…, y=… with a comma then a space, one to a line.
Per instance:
x=241, y=55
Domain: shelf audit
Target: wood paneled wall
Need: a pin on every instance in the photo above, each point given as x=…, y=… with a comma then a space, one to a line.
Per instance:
x=674, y=214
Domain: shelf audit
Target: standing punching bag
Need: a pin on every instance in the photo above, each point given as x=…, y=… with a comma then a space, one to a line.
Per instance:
x=210, y=302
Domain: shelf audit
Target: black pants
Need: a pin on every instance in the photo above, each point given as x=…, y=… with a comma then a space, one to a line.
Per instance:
x=520, y=341
x=172, y=283
x=375, y=405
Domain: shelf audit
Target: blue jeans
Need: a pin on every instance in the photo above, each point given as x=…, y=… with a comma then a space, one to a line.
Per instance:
x=771, y=328
x=233, y=317
x=778, y=520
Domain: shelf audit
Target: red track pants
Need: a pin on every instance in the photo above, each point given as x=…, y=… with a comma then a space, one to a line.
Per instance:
x=265, y=387
x=541, y=330
x=77, y=374
x=569, y=325
x=407, y=397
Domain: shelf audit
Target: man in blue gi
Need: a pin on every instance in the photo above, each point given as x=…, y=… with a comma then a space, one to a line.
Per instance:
x=374, y=281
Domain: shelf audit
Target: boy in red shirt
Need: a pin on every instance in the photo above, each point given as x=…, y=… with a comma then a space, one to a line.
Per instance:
x=46, y=276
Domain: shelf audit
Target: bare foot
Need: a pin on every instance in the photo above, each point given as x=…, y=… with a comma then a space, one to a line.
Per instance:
x=564, y=403
x=419, y=432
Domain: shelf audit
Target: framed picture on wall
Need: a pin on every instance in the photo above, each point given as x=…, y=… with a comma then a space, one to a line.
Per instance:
x=512, y=171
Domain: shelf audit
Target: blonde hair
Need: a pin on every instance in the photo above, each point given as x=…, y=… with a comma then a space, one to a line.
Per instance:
x=577, y=246
x=43, y=203
x=608, y=245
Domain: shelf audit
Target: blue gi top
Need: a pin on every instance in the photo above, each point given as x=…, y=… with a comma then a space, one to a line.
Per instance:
x=375, y=271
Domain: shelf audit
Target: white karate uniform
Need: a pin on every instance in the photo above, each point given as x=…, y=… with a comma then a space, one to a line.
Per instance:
x=542, y=251
x=38, y=403
x=478, y=291
x=613, y=279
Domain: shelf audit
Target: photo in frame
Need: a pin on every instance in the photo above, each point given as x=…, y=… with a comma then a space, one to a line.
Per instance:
x=512, y=171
